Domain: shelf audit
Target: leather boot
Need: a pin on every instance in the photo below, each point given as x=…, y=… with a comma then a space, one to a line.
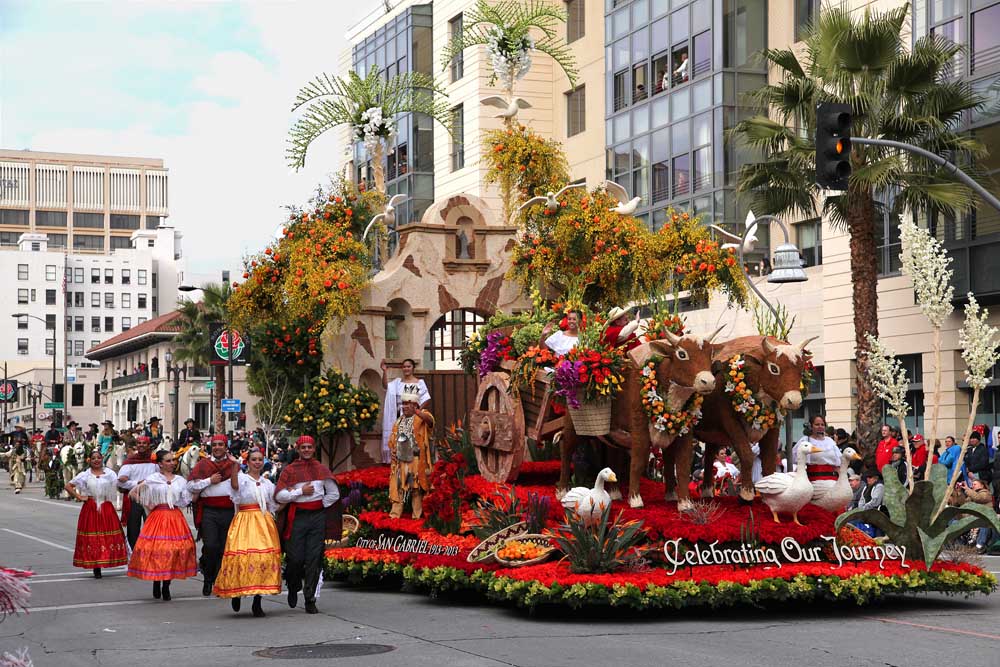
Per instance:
x=256, y=608
x=397, y=510
x=417, y=502
x=156, y=590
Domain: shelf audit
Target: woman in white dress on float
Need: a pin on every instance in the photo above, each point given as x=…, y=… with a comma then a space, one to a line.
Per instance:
x=561, y=341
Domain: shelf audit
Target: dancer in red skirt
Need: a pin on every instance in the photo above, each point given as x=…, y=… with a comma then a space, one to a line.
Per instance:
x=100, y=541
x=165, y=549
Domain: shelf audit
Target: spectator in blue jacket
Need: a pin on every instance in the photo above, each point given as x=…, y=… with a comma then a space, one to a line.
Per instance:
x=950, y=457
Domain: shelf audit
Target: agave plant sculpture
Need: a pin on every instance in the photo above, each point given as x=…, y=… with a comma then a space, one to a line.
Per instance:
x=911, y=521
x=601, y=548
x=368, y=105
x=505, y=29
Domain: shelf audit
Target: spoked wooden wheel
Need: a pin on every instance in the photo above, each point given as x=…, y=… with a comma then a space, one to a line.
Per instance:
x=496, y=425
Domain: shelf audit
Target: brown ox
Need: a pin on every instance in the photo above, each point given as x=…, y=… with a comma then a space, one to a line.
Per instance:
x=773, y=372
x=685, y=368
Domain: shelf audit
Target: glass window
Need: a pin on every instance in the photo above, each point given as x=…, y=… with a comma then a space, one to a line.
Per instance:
x=810, y=241
x=50, y=272
x=95, y=324
x=702, y=168
x=86, y=242
x=621, y=90
x=702, y=133
x=141, y=300
x=78, y=274
x=986, y=38
x=95, y=299
x=622, y=159
x=109, y=276
x=680, y=25
x=458, y=64
x=458, y=138
x=76, y=390
x=88, y=220
x=680, y=104
x=576, y=111
x=142, y=276
x=661, y=165
x=78, y=323
x=126, y=276
x=22, y=322
x=22, y=271
x=109, y=299
x=126, y=323
x=56, y=240
x=702, y=95
x=50, y=322
x=944, y=9
x=50, y=218
x=702, y=48
x=22, y=346
x=619, y=23
x=152, y=221
x=123, y=242
x=120, y=221
x=575, y=28
x=680, y=138
x=805, y=12
x=621, y=127
x=744, y=26
x=50, y=297
x=50, y=347
x=78, y=299
x=109, y=324
x=640, y=12
x=701, y=15
x=126, y=300
x=13, y=217
x=679, y=64
x=640, y=83
x=640, y=120
x=682, y=175
x=661, y=72
x=95, y=276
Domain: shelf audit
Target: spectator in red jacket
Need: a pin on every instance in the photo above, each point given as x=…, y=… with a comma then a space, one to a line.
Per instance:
x=883, y=453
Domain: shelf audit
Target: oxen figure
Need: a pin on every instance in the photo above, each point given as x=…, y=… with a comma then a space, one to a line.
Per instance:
x=74, y=460
x=684, y=369
x=772, y=375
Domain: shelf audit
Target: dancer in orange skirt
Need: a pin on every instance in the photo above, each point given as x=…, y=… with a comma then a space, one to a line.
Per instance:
x=251, y=562
x=100, y=541
x=165, y=549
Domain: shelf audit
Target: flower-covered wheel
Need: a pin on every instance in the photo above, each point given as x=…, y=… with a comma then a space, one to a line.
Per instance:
x=496, y=426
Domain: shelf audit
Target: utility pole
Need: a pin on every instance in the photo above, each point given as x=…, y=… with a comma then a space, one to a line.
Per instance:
x=4, y=428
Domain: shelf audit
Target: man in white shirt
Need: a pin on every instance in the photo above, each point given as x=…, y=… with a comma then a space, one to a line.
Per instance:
x=309, y=489
x=209, y=483
x=135, y=469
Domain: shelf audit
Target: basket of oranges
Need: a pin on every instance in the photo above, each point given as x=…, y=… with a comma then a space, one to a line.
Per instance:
x=524, y=550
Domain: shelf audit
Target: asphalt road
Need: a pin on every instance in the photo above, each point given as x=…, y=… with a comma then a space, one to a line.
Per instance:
x=77, y=620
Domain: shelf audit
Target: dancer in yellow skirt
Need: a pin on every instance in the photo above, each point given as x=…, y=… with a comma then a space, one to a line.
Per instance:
x=251, y=562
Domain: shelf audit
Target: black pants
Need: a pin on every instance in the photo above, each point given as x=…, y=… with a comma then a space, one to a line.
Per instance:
x=136, y=516
x=214, y=529
x=304, y=552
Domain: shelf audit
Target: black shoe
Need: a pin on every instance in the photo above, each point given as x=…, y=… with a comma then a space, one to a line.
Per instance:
x=97, y=573
x=166, y=591
x=156, y=590
x=236, y=602
x=311, y=607
x=293, y=599
x=206, y=588
x=257, y=611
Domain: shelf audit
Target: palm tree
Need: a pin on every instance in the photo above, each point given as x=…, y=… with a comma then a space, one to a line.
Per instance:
x=368, y=105
x=505, y=30
x=192, y=343
x=895, y=93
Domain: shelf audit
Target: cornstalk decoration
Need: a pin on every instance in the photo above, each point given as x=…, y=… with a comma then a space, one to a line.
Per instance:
x=927, y=263
x=979, y=351
x=889, y=381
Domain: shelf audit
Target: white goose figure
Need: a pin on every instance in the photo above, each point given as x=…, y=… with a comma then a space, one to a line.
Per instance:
x=590, y=503
x=788, y=492
x=835, y=495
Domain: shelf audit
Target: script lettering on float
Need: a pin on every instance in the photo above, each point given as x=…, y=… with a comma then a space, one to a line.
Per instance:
x=789, y=551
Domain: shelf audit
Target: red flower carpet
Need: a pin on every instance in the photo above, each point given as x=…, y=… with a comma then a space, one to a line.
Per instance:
x=407, y=551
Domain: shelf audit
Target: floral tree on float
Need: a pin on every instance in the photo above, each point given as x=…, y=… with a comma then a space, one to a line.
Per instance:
x=523, y=164
x=368, y=105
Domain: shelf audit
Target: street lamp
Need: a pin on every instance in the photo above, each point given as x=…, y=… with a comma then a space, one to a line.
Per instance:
x=57, y=414
x=176, y=371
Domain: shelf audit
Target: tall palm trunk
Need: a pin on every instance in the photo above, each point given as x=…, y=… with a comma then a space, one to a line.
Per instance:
x=220, y=391
x=864, y=276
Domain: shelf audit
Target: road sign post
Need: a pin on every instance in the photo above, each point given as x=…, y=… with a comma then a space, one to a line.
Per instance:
x=53, y=406
x=230, y=405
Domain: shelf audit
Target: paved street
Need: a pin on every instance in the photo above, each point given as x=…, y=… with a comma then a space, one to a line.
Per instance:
x=76, y=620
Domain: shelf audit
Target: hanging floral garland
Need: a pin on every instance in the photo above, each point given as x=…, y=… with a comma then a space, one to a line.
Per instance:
x=759, y=416
x=680, y=422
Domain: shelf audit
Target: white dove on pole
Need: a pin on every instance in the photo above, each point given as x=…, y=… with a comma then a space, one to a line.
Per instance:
x=625, y=206
x=550, y=199
x=751, y=240
x=509, y=108
x=387, y=216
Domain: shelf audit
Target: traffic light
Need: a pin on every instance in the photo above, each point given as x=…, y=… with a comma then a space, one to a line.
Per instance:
x=833, y=145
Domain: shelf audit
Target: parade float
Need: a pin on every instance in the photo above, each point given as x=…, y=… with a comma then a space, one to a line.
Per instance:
x=567, y=482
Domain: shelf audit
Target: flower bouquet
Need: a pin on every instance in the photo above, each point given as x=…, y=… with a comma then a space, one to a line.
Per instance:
x=528, y=364
x=499, y=348
x=587, y=379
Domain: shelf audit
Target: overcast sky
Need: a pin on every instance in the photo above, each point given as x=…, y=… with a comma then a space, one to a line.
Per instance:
x=206, y=86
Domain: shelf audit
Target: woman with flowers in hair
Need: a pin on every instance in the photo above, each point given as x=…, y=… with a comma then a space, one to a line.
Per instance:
x=251, y=562
x=410, y=457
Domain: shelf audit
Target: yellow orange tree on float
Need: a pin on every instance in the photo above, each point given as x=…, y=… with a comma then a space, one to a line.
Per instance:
x=523, y=164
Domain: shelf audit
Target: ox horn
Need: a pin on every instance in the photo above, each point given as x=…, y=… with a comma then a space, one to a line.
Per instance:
x=715, y=333
x=768, y=346
x=801, y=347
x=673, y=338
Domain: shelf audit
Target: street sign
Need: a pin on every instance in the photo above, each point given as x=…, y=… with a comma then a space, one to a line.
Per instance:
x=71, y=374
x=8, y=391
x=230, y=405
x=210, y=384
x=53, y=406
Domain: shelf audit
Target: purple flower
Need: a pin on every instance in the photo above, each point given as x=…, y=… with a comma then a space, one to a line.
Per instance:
x=489, y=360
x=568, y=382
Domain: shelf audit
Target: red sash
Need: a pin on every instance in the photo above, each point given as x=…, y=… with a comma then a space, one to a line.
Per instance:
x=126, y=508
x=818, y=471
x=248, y=508
x=292, y=507
x=221, y=502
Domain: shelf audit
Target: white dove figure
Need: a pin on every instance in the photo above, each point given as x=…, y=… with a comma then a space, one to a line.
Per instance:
x=625, y=206
x=750, y=243
x=388, y=214
x=509, y=107
x=550, y=199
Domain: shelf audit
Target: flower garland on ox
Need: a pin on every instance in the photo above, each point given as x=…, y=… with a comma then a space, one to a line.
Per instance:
x=757, y=414
x=662, y=419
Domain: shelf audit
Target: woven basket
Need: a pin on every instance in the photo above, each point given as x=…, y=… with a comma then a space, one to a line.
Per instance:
x=351, y=525
x=592, y=418
x=543, y=540
x=485, y=550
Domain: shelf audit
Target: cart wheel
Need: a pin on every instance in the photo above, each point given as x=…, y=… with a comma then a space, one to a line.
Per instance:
x=496, y=425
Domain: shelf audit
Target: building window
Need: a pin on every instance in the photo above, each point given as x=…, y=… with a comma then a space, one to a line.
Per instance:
x=50, y=347
x=120, y=243
x=574, y=20
x=32, y=295
x=913, y=365
x=126, y=277
x=78, y=274
x=126, y=323
x=126, y=300
x=810, y=237
x=78, y=299
x=50, y=218
x=109, y=324
x=152, y=221
x=141, y=320
x=120, y=221
x=155, y=308
x=22, y=346
x=94, y=343
x=109, y=276
x=78, y=323
x=140, y=301
x=576, y=111
x=50, y=322
x=87, y=242
x=458, y=63
x=985, y=45
x=78, y=348
x=95, y=299
x=76, y=394
x=890, y=246
x=50, y=297
x=56, y=240
x=458, y=138
x=95, y=276
x=806, y=12
x=154, y=280
x=109, y=299
x=95, y=324
x=88, y=220
x=11, y=217
x=142, y=276
x=22, y=271
x=22, y=322
x=444, y=341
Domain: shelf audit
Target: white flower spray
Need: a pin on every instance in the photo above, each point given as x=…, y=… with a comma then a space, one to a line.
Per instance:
x=509, y=65
x=889, y=382
x=978, y=341
x=928, y=264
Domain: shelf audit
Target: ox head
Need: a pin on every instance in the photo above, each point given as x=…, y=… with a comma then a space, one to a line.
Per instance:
x=687, y=360
x=780, y=372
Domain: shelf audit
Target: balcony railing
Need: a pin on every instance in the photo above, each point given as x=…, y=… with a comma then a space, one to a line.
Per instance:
x=126, y=380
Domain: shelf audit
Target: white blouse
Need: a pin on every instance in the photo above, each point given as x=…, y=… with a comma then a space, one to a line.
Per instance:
x=254, y=492
x=136, y=472
x=101, y=489
x=560, y=343
x=158, y=491
x=829, y=456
